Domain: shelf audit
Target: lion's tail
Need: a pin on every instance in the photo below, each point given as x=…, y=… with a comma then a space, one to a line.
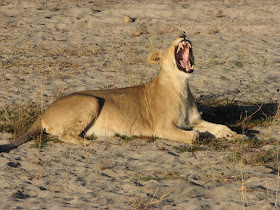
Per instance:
x=35, y=129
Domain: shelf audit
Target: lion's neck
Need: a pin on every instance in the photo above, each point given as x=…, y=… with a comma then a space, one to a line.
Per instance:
x=173, y=90
x=175, y=83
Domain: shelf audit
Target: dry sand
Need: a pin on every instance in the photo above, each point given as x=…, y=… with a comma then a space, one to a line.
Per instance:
x=49, y=48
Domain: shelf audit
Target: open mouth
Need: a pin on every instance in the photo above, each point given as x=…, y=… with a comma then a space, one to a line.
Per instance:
x=184, y=57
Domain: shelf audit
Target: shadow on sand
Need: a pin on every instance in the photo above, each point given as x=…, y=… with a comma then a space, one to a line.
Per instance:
x=240, y=117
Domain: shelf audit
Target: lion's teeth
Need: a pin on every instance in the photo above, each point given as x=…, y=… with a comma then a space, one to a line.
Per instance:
x=183, y=45
x=189, y=65
x=179, y=47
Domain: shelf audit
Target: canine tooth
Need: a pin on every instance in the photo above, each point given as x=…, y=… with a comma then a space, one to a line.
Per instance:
x=189, y=65
x=179, y=47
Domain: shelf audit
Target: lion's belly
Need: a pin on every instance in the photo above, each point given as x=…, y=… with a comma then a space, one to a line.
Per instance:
x=125, y=123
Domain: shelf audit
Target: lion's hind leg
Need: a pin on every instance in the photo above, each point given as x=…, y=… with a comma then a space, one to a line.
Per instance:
x=71, y=116
x=74, y=139
x=73, y=134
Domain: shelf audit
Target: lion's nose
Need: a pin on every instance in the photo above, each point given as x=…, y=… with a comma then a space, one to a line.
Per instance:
x=183, y=35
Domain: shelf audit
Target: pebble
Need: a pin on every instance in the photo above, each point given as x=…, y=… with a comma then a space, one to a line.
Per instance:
x=128, y=19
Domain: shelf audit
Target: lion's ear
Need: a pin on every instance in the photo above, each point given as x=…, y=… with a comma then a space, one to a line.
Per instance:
x=155, y=56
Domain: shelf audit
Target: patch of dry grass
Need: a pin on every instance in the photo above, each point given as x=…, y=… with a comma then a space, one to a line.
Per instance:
x=240, y=116
x=17, y=119
x=149, y=202
x=127, y=139
x=48, y=61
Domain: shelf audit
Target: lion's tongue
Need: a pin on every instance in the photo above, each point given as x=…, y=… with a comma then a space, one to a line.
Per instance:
x=185, y=59
x=184, y=63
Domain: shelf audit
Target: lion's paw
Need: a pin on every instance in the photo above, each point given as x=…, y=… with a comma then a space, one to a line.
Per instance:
x=222, y=131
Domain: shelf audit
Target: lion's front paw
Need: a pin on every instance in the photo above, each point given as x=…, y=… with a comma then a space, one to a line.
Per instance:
x=222, y=131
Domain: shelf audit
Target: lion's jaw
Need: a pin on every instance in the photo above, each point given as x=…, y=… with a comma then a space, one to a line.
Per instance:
x=184, y=56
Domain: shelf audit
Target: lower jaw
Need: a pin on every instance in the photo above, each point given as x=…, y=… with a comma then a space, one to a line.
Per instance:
x=188, y=71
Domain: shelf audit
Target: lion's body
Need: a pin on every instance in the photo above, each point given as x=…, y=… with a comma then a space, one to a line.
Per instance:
x=164, y=107
x=152, y=109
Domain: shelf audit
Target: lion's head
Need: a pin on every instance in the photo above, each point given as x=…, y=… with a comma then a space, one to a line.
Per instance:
x=176, y=58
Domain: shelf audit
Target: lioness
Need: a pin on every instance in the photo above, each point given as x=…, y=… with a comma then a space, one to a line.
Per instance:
x=164, y=107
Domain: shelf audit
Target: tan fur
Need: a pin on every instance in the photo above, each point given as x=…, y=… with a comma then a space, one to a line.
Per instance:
x=164, y=107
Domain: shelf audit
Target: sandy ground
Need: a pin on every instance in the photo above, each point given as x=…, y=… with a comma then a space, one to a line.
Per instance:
x=50, y=48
